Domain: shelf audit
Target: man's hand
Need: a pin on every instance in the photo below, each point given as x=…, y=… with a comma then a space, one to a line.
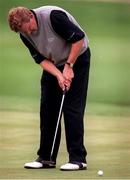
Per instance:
x=68, y=75
x=64, y=79
x=52, y=69
x=61, y=80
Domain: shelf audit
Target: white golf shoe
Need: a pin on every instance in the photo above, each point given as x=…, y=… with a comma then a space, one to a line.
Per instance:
x=39, y=163
x=73, y=166
x=33, y=165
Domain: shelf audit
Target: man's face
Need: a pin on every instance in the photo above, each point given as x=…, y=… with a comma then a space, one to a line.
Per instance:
x=29, y=27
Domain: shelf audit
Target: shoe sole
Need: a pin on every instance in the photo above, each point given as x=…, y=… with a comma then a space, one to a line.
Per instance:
x=32, y=167
x=84, y=168
x=43, y=167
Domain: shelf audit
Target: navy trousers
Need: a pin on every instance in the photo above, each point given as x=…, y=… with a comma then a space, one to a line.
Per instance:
x=73, y=111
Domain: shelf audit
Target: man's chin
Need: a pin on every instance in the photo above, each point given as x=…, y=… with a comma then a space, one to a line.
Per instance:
x=34, y=32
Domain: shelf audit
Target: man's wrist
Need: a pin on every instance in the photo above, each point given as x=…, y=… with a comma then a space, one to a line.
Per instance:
x=69, y=64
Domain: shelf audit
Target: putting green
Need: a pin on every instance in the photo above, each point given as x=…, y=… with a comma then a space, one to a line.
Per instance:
x=106, y=138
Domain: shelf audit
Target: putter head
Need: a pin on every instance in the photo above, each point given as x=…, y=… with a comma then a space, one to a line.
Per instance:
x=48, y=164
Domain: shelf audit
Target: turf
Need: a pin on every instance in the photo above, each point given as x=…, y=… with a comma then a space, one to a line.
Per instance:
x=106, y=139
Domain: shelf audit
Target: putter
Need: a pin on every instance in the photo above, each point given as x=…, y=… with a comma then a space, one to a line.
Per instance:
x=52, y=163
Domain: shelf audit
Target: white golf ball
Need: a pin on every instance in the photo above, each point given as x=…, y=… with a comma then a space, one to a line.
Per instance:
x=100, y=173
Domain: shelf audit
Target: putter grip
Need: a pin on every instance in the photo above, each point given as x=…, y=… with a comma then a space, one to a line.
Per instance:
x=65, y=90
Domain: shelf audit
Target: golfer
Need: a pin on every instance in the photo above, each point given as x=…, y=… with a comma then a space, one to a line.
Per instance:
x=60, y=46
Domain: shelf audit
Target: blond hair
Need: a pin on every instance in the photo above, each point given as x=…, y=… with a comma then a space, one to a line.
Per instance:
x=17, y=16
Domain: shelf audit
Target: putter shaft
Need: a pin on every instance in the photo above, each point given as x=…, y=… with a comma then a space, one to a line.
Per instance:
x=58, y=121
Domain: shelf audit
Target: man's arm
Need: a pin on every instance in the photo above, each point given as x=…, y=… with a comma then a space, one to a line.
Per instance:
x=74, y=53
x=34, y=53
x=65, y=28
x=52, y=69
x=47, y=65
x=72, y=34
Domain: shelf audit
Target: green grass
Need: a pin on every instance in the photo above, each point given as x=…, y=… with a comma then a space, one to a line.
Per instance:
x=106, y=139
